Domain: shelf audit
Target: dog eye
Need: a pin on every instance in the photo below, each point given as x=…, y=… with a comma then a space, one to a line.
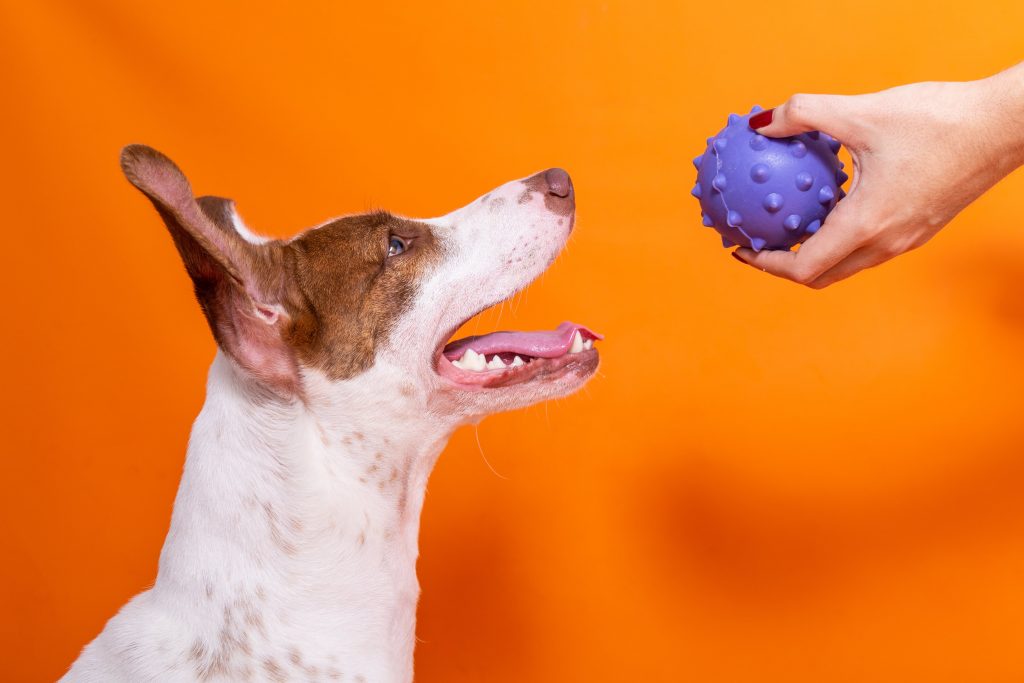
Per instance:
x=396, y=246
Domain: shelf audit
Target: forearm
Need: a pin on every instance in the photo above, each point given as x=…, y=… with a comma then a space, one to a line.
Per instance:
x=1003, y=96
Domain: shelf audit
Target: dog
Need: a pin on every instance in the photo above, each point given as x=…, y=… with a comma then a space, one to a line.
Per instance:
x=292, y=548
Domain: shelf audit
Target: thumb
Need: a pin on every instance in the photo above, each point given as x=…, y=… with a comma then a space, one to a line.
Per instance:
x=832, y=114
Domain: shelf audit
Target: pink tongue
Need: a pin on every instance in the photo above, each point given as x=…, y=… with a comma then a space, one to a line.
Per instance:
x=543, y=344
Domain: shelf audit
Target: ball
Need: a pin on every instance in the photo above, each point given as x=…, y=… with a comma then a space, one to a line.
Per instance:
x=767, y=193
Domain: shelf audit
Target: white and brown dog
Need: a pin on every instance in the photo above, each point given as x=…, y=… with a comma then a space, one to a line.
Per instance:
x=292, y=548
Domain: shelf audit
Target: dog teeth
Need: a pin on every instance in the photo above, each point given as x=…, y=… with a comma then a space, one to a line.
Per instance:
x=471, y=360
x=577, y=343
x=477, y=362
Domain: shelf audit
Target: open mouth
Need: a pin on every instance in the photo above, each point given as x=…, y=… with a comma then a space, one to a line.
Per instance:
x=504, y=358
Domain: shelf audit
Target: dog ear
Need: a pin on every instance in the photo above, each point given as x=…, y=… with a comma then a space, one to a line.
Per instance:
x=224, y=215
x=240, y=284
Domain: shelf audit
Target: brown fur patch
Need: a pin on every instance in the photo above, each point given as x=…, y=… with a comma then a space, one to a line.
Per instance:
x=336, y=289
x=352, y=291
x=197, y=652
x=274, y=671
x=252, y=616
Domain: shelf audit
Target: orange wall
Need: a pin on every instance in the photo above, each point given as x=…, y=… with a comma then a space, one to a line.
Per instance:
x=765, y=483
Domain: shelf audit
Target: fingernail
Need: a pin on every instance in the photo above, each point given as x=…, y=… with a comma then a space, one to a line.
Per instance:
x=762, y=119
x=738, y=258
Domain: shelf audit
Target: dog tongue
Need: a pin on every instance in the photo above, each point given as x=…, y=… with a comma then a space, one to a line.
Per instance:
x=543, y=344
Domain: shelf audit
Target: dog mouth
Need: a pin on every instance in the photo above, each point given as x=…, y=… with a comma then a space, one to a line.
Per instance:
x=505, y=358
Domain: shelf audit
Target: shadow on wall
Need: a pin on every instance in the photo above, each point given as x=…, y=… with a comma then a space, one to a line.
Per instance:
x=749, y=543
x=991, y=278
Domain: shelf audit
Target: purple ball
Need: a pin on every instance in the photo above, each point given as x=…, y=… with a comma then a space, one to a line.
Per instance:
x=767, y=193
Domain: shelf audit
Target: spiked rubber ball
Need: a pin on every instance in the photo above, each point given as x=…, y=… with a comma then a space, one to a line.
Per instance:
x=767, y=193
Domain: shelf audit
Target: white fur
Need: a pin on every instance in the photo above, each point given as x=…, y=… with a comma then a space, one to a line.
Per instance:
x=242, y=229
x=293, y=542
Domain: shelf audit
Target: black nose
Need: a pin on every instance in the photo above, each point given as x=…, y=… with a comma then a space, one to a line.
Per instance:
x=559, y=182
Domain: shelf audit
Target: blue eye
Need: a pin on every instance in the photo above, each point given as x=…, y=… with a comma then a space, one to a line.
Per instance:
x=396, y=246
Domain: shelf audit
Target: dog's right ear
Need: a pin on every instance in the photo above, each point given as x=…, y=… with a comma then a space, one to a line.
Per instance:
x=240, y=284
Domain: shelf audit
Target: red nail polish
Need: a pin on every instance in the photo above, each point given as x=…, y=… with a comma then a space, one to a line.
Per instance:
x=763, y=119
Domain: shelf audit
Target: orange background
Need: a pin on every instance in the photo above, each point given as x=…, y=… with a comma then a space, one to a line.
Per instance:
x=765, y=483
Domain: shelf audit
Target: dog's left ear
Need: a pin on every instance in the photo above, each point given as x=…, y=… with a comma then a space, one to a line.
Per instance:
x=240, y=284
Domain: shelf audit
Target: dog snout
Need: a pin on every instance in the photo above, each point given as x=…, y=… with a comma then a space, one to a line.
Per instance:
x=556, y=187
x=559, y=183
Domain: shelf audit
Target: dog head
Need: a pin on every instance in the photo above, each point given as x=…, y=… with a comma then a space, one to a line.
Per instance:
x=376, y=296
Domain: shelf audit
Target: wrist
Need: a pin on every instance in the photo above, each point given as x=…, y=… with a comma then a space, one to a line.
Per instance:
x=1002, y=99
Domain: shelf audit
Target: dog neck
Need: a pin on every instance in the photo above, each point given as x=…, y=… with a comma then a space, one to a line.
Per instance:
x=294, y=535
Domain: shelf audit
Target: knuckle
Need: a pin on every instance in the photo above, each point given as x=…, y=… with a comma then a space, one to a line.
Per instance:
x=867, y=228
x=818, y=284
x=916, y=243
x=803, y=276
x=890, y=250
x=799, y=108
x=912, y=242
x=892, y=247
x=872, y=232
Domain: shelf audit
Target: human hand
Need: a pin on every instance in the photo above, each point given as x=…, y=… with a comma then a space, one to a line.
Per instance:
x=921, y=153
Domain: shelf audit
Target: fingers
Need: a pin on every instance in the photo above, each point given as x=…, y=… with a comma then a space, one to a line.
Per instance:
x=833, y=114
x=835, y=241
x=861, y=259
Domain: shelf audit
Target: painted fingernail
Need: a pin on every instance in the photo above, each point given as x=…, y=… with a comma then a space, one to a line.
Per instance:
x=763, y=119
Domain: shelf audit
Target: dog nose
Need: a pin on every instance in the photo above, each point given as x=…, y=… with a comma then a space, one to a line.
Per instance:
x=559, y=183
x=555, y=186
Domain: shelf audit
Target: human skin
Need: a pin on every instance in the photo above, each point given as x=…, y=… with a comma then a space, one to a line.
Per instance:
x=921, y=153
